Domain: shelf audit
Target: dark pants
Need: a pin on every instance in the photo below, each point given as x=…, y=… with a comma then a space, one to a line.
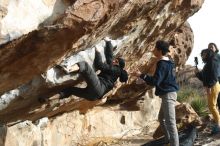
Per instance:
x=95, y=85
x=218, y=100
x=95, y=88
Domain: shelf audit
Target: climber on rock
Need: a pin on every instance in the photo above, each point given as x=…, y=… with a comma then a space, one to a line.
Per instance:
x=97, y=85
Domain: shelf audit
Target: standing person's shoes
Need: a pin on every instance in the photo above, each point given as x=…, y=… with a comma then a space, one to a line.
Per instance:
x=215, y=130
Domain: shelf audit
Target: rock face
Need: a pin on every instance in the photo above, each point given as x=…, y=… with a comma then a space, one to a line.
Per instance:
x=74, y=128
x=36, y=46
x=186, y=76
x=182, y=44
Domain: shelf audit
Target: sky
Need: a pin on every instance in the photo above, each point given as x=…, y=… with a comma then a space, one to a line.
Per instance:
x=206, y=28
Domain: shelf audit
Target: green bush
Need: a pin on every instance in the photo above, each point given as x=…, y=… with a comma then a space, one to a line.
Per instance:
x=200, y=106
x=183, y=96
x=195, y=97
x=186, y=94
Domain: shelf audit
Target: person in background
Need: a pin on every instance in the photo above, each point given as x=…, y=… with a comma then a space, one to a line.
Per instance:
x=166, y=87
x=209, y=76
x=214, y=48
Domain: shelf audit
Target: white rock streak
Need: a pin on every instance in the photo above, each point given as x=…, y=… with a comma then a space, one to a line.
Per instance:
x=23, y=17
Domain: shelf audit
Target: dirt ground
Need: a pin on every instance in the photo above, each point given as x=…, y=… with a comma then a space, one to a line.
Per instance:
x=203, y=139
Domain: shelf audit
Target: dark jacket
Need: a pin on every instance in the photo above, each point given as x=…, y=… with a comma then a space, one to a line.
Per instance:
x=210, y=72
x=163, y=78
x=217, y=58
x=109, y=72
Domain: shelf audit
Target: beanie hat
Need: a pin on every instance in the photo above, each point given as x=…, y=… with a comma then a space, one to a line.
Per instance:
x=121, y=62
x=123, y=76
